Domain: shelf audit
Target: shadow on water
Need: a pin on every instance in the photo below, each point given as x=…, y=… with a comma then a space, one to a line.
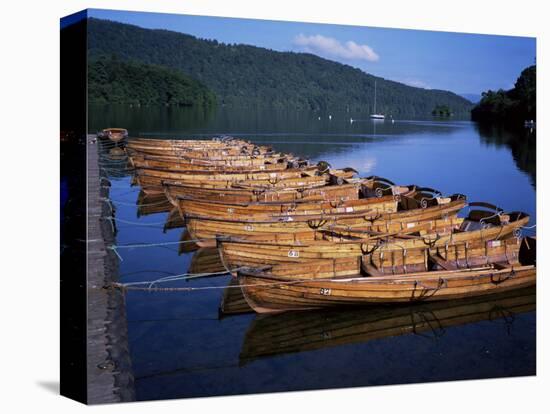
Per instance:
x=521, y=141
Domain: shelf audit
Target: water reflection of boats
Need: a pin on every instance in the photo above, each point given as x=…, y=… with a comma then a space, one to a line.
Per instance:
x=206, y=260
x=286, y=333
x=152, y=204
x=174, y=219
x=186, y=244
x=233, y=301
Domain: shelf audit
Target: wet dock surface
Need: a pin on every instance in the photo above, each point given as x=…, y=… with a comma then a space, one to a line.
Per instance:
x=109, y=372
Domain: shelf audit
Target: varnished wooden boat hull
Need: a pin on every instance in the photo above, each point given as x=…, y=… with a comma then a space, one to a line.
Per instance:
x=266, y=211
x=183, y=166
x=242, y=252
x=236, y=195
x=209, y=229
x=270, y=295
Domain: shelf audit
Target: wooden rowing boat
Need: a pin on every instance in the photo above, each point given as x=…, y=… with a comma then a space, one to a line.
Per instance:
x=152, y=181
x=357, y=200
x=266, y=293
x=348, y=191
x=238, y=252
x=180, y=165
x=267, y=211
x=287, y=333
x=207, y=229
x=114, y=134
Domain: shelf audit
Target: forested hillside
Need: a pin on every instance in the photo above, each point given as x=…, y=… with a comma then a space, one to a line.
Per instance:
x=514, y=106
x=115, y=81
x=254, y=76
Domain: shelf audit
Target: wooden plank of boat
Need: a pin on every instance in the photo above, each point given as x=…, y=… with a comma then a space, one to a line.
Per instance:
x=286, y=333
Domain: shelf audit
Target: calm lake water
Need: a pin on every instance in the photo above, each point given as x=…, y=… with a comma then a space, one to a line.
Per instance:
x=181, y=346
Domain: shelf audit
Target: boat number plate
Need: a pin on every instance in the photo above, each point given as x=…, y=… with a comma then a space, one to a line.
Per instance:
x=230, y=210
x=293, y=253
x=325, y=291
x=248, y=227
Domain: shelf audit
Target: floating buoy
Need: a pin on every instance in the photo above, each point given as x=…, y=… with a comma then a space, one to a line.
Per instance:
x=329, y=117
x=319, y=118
x=351, y=120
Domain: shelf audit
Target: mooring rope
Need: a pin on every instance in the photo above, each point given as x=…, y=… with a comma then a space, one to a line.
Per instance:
x=136, y=223
x=174, y=278
x=108, y=199
x=123, y=286
x=138, y=245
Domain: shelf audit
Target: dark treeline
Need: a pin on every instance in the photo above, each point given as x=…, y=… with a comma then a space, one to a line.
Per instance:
x=111, y=80
x=253, y=76
x=512, y=107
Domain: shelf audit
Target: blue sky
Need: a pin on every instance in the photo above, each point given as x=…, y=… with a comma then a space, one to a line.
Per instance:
x=459, y=62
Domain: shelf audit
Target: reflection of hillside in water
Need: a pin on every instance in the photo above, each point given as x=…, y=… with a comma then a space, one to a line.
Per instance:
x=292, y=332
x=522, y=142
x=299, y=132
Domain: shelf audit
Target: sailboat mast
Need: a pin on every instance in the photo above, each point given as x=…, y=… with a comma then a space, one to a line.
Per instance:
x=375, y=96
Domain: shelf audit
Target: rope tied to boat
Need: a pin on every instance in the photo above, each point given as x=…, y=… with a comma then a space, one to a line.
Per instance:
x=115, y=247
x=125, y=287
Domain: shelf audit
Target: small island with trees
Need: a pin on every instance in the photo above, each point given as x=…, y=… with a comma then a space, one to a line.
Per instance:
x=442, y=111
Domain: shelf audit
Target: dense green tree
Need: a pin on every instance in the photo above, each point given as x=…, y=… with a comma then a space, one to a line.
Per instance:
x=252, y=76
x=513, y=106
x=111, y=80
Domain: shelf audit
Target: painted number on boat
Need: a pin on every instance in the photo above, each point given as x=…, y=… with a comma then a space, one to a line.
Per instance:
x=230, y=210
x=248, y=227
x=325, y=291
x=293, y=253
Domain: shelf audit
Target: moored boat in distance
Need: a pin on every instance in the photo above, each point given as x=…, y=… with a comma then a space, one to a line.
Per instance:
x=114, y=134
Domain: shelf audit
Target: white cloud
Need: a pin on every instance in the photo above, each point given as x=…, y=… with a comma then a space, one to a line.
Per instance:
x=416, y=83
x=330, y=47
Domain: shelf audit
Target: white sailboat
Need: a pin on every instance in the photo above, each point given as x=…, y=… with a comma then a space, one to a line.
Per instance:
x=375, y=115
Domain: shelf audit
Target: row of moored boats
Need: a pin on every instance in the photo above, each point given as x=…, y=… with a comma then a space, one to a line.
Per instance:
x=298, y=235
